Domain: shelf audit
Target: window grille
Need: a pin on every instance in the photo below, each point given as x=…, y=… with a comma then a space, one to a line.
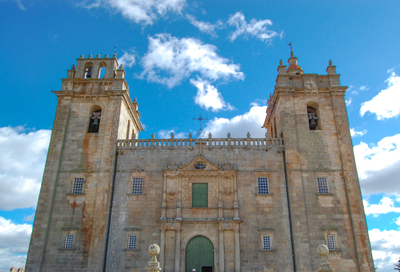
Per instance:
x=200, y=166
x=137, y=186
x=77, y=187
x=322, y=185
x=263, y=186
x=132, y=242
x=331, y=242
x=69, y=238
x=200, y=195
x=267, y=242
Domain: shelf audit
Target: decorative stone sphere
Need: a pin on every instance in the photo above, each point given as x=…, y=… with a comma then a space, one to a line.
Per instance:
x=154, y=250
x=323, y=250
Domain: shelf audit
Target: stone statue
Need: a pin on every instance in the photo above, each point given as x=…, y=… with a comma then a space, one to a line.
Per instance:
x=154, y=265
x=324, y=265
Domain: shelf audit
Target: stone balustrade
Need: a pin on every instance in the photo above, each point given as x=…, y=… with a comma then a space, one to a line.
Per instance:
x=207, y=142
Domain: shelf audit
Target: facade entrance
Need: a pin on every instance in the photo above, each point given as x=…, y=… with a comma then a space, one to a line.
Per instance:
x=199, y=255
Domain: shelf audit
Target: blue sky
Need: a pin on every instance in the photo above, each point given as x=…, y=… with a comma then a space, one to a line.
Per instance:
x=223, y=61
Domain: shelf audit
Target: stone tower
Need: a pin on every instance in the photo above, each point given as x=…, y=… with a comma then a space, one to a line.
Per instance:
x=309, y=112
x=94, y=111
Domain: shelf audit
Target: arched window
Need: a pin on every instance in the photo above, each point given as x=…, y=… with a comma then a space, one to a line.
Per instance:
x=313, y=116
x=88, y=70
x=102, y=70
x=94, y=122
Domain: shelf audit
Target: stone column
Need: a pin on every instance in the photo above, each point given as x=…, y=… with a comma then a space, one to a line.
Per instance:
x=164, y=200
x=177, y=249
x=221, y=255
x=179, y=202
x=237, y=250
x=162, y=247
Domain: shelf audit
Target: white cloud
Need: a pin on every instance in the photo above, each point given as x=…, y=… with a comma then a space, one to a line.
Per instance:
x=127, y=59
x=139, y=11
x=386, y=104
x=364, y=88
x=29, y=217
x=398, y=221
x=208, y=96
x=386, y=205
x=22, y=159
x=239, y=125
x=205, y=27
x=378, y=166
x=166, y=134
x=181, y=57
x=348, y=102
x=255, y=28
x=14, y=242
x=385, y=248
x=355, y=133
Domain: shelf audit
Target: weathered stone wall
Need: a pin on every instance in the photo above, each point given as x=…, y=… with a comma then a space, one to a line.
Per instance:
x=260, y=214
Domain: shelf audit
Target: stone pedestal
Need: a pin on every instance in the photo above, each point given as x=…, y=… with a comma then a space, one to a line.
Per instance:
x=154, y=265
x=324, y=265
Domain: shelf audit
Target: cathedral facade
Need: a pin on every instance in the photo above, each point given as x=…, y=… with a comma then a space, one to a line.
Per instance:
x=212, y=204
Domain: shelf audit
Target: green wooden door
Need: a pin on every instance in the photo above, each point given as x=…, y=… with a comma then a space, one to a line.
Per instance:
x=199, y=253
x=200, y=195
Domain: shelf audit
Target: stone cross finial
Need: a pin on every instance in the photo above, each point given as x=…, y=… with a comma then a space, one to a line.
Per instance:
x=154, y=265
x=324, y=265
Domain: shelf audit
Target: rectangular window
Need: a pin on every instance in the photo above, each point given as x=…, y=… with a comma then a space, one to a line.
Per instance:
x=267, y=242
x=322, y=185
x=263, y=185
x=132, y=242
x=77, y=187
x=137, y=186
x=200, y=195
x=331, y=242
x=69, y=238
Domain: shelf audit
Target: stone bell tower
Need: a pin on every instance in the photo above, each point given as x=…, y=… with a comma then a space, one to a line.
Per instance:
x=325, y=203
x=94, y=111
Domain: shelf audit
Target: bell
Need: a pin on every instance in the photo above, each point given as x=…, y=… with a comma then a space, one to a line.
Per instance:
x=313, y=124
x=95, y=122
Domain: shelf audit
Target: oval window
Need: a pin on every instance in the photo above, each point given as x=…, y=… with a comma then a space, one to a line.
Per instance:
x=200, y=166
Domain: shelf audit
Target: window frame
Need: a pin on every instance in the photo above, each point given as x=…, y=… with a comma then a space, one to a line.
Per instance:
x=266, y=241
x=133, y=188
x=331, y=240
x=322, y=185
x=77, y=189
x=133, y=245
x=263, y=190
x=69, y=243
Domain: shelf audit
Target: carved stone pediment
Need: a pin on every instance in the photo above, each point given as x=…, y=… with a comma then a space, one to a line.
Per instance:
x=199, y=164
